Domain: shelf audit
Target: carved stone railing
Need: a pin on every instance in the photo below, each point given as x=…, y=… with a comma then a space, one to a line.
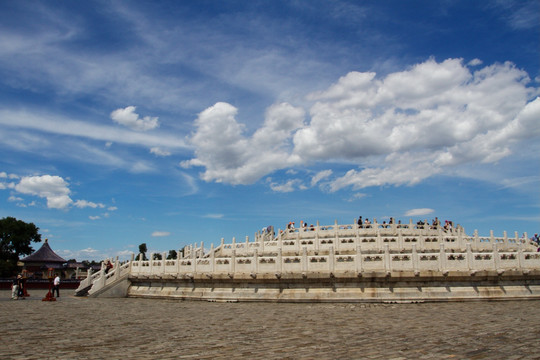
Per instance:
x=337, y=250
x=346, y=238
x=97, y=281
x=332, y=263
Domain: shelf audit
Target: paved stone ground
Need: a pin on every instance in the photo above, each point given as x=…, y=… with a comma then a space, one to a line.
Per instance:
x=82, y=328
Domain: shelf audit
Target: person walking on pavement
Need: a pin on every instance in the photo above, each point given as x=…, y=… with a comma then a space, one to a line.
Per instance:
x=20, y=287
x=15, y=288
x=56, y=286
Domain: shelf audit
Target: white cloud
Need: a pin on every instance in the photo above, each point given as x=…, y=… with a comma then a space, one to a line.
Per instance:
x=4, y=175
x=160, y=233
x=420, y=122
x=191, y=183
x=356, y=196
x=397, y=130
x=419, y=212
x=520, y=14
x=21, y=129
x=94, y=217
x=52, y=188
x=214, y=216
x=83, y=254
x=124, y=254
x=230, y=156
x=288, y=186
x=398, y=169
x=321, y=175
x=129, y=118
x=430, y=105
x=475, y=62
x=141, y=167
x=84, y=204
x=159, y=151
x=520, y=182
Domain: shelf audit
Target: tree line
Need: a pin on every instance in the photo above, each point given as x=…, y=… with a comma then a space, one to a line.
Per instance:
x=16, y=237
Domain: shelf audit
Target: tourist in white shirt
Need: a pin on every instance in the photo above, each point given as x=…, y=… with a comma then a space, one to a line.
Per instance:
x=56, y=286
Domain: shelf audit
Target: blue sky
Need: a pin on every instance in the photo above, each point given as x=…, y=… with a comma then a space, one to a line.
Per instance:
x=171, y=122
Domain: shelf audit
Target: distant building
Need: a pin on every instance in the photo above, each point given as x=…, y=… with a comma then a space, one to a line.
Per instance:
x=37, y=263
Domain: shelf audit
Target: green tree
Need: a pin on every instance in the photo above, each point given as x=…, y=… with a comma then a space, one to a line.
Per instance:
x=88, y=263
x=172, y=255
x=15, y=239
x=157, y=256
x=143, y=250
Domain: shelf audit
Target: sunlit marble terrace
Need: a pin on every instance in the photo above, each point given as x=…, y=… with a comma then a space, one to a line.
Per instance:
x=382, y=261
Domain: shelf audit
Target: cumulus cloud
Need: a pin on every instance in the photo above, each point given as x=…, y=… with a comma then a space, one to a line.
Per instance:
x=230, y=156
x=5, y=185
x=52, y=188
x=129, y=118
x=5, y=175
x=475, y=62
x=417, y=123
x=396, y=130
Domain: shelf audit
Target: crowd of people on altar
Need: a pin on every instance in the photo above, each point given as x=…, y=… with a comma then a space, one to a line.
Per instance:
x=367, y=224
x=303, y=226
x=420, y=224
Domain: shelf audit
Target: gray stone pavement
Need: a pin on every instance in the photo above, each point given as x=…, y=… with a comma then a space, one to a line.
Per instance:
x=82, y=328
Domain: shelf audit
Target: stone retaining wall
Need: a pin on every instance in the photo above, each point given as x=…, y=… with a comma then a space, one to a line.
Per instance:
x=316, y=287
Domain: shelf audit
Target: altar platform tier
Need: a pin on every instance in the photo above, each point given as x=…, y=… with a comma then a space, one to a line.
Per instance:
x=336, y=263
